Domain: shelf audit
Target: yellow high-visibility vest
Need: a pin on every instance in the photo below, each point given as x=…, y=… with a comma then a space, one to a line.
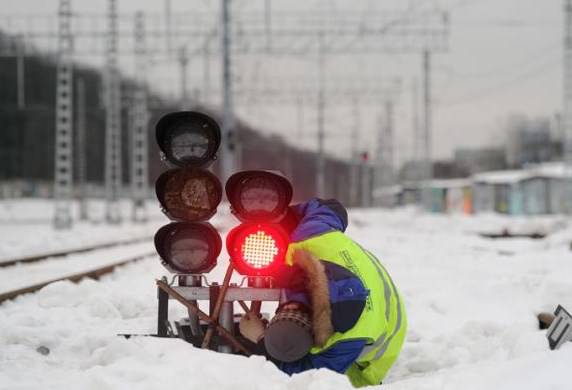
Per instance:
x=383, y=322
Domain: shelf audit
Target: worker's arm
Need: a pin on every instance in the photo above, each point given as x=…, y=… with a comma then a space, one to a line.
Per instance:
x=337, y=358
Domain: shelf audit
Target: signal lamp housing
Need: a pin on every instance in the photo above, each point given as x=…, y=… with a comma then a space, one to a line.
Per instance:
x=188, y=138
x=188, y=194
x=188, y=248
x=257, y=249
x=258, y=196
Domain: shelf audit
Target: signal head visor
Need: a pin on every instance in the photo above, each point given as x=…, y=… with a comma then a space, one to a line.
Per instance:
x=259, y=196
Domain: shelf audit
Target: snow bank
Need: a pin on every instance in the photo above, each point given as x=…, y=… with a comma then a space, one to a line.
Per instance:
x=471, y=304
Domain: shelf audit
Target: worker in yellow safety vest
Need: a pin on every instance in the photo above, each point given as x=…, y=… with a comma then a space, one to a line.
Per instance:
x=341, y=311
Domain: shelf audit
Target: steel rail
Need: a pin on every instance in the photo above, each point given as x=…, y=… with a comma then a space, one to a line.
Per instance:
x=61, y=253
x=95, y=273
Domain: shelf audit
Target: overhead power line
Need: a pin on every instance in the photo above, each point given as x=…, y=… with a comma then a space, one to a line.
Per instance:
x=502, y=86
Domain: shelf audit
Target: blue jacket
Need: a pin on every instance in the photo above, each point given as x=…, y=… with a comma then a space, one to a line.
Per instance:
x=317, y=217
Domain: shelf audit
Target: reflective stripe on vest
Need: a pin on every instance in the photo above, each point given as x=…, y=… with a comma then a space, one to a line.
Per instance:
x=383, y=341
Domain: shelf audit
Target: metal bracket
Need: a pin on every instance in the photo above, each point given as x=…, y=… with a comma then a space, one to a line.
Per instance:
x=560, y=331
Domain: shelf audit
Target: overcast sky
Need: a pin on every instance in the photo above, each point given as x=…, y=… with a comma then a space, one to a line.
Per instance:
x=504, y=57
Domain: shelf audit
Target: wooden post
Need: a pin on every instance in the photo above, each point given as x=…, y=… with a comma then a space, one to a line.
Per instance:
x=218, y=305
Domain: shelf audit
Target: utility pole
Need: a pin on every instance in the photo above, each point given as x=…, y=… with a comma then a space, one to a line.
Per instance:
x=21, y=79
x=354, y=158
x=81, y=151
x=183, y=64
x=365, y=181
x=427, y=115
x=416, y=130
x=390, y=141
x=168, y=27
x=567, y=98
x=113, y=171
x=320, y=163
x=63, y=175
x=229, y=133
x=206, y=70
x=139, y=122
x=300, y=117
x=268, y=24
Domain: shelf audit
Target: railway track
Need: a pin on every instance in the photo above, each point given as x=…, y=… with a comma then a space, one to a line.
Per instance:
x=94, y=273
x=67, y=252
x=75, y=264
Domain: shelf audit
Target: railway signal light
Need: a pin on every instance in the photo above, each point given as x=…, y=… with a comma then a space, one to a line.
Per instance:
x=257, y=249
x=260, y=200
x=188, y=248
x=259, y=196
x=188, y=193
x=188, y=138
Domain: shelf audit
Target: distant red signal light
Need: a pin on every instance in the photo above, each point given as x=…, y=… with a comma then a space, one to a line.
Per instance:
x=257, y=249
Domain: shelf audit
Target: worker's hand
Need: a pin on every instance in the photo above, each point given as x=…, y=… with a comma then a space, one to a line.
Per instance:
x=251, y=327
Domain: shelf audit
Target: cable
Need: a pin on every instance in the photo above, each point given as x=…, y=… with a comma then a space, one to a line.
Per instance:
x=509, y=68
x=501, y=86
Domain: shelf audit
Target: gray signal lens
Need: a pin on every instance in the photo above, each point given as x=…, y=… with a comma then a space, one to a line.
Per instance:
x=259, y=194
x=188, y=248
x=187, y=144
x=188, y=138
x=189, y=253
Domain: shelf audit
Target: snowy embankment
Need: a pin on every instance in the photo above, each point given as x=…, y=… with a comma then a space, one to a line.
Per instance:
x=471, y=303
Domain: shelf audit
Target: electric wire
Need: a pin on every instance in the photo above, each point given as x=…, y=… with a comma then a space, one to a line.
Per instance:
x=502, y=86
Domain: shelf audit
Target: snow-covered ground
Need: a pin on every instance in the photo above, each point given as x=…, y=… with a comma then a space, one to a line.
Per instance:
x=471, y=303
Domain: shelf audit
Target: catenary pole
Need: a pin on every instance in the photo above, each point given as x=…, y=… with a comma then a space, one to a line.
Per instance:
x=427, y=115
x=63, y=175
x=81, y=150
x=113, y=171
x=320, y=163
x=567, y=99
x=139, y=123
x=231, y=139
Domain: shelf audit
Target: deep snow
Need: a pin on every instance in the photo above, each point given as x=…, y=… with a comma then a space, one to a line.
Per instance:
x=471, y=304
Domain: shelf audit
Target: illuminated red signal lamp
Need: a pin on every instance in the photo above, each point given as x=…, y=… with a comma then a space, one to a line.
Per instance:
x=188, y=194
x=188, y=138
x=257, y=249
x=188, y=248
x=259, y=196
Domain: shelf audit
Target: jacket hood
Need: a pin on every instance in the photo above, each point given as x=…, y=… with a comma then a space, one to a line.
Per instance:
x=318, y=216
